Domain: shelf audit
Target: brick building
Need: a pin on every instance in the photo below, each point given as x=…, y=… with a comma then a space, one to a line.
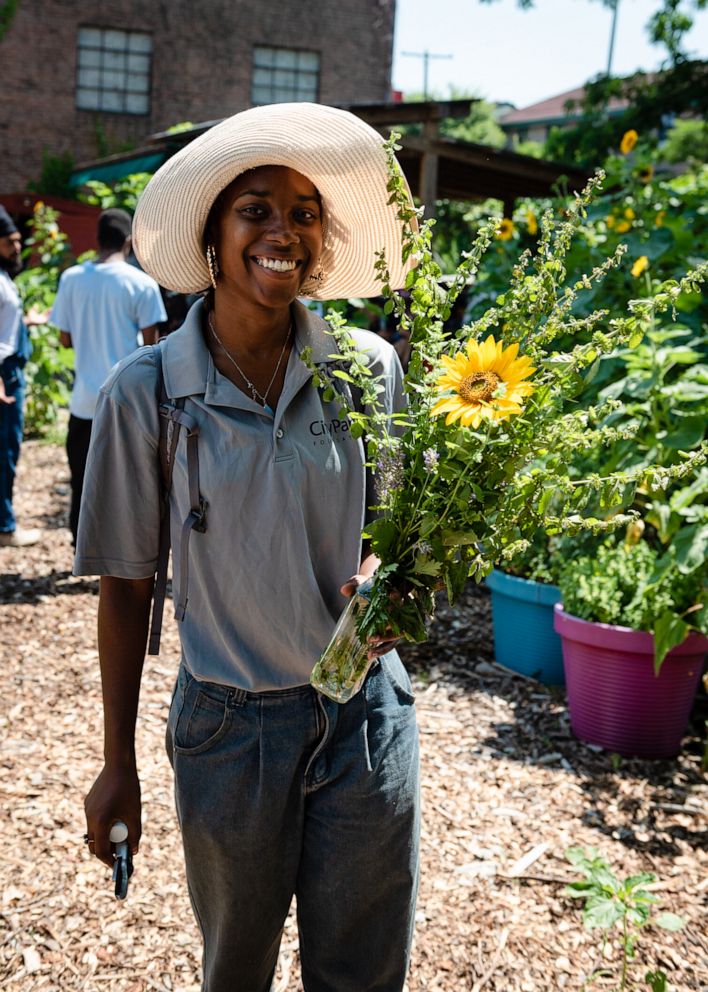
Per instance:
x=89, y=78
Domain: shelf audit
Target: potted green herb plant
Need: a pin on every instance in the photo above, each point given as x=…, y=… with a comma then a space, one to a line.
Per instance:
x=633, y=623
x=523, y=595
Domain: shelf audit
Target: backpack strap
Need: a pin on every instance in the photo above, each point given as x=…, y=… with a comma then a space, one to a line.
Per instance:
x=172, y=419
x=196, y=518
x=167, y=445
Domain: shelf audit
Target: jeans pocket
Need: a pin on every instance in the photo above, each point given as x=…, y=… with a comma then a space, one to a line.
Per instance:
x=203, y=719
x=172, y=709
x=393, y=669
x=12, y=381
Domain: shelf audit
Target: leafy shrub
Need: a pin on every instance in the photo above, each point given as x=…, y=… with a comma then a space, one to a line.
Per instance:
x=632, y=585
x=49, y=370
x=617, y=585
x=657, y=388
x=122, y=193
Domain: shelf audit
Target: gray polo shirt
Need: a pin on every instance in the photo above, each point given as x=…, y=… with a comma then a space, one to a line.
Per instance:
x=286, y=502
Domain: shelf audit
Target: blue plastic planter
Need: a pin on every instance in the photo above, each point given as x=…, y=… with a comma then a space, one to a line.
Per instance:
x=522, y=617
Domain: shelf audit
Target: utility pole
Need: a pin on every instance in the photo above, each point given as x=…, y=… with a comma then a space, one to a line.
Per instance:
x=615, y=8
x=426, y=57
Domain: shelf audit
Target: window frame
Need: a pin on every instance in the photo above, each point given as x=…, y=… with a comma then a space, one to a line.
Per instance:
x=272, y=68
x=124, y=93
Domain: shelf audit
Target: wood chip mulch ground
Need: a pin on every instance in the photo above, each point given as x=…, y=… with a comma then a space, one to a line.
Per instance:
x=506, y=790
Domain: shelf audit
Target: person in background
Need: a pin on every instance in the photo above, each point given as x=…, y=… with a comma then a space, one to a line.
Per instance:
x=104, y=309
x=14, y=351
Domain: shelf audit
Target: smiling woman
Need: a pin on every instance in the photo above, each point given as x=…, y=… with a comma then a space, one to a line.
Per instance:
x=264, y=237
x=280, y=791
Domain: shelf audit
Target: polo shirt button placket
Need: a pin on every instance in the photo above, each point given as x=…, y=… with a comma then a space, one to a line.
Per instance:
x=281, y=444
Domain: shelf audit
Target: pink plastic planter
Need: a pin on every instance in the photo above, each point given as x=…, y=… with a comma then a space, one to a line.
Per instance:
x=614, y=698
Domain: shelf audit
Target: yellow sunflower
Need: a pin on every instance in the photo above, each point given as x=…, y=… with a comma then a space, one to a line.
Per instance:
x=640, y=265
x=628, y=142
x=622, y=226
x=531, y=223
x=505, y=229
x=645, y=174
x=483, y=382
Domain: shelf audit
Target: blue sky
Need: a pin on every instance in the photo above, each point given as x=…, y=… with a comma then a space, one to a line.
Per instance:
x=506, y=54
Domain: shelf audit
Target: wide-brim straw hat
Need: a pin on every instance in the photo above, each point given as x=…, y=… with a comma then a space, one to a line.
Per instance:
x=338, y=152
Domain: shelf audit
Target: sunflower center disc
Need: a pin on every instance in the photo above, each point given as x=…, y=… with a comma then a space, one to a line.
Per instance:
x=479, y=387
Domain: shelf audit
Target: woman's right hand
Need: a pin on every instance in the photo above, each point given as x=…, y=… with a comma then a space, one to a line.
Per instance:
x=115, y=795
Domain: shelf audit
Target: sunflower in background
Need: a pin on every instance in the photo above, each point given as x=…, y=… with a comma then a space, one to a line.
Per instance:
x=506, y=229
x=645, y=173
x=628, y=142
x=641, y=265
x=483, y=382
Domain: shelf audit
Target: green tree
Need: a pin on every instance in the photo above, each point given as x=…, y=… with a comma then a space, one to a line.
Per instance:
x=480, y=125
x=687, y=141
x=680, y=89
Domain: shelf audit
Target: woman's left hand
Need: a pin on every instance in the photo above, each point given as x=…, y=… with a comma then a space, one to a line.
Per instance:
x=378, y=643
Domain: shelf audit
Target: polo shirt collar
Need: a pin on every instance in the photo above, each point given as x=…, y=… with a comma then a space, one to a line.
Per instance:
x=186, y=360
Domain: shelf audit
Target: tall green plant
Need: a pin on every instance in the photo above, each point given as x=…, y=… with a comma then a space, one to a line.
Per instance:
x=459, y=496
x=657, y=387
x=49, y=370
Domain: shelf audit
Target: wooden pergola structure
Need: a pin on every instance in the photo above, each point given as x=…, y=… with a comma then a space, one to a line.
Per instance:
x=436, y=167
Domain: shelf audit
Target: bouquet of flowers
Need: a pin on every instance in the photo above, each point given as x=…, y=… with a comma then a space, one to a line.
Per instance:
x=482, y=456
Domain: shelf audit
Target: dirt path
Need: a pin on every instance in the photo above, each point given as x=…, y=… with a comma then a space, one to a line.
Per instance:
x=502, y=774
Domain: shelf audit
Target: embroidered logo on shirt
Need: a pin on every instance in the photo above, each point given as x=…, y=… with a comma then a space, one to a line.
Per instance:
x=338, y=430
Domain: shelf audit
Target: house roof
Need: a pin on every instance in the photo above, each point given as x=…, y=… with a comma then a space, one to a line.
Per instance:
x=554, y=109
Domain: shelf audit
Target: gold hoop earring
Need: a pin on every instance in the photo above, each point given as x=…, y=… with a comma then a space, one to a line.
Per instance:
x=212, y=264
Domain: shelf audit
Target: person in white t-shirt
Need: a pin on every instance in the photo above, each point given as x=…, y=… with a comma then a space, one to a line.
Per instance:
x=104, y=309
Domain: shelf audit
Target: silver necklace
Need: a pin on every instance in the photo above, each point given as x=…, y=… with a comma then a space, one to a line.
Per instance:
x=257, y=396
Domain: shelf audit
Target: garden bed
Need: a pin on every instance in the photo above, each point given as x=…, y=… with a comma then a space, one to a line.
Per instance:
x=502, y=775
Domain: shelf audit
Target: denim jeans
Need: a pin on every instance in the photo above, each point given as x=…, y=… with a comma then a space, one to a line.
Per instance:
x=11, y=423
x=287, y=793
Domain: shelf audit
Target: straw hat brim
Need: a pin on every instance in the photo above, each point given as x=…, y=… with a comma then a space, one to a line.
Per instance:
x=337, y=151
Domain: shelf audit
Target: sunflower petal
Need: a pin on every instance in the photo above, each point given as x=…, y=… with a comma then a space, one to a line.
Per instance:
x=473, y=361
x=454, y=415
x=488, y=352
x=449, y=380
x=444, y=405
x=471, y=416
x=506, y=359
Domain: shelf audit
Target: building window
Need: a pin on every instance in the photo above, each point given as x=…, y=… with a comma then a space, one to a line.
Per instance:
x=113, y=70
x=284, y=75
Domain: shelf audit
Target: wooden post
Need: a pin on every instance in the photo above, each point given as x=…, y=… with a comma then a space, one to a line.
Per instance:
x=429, y=169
